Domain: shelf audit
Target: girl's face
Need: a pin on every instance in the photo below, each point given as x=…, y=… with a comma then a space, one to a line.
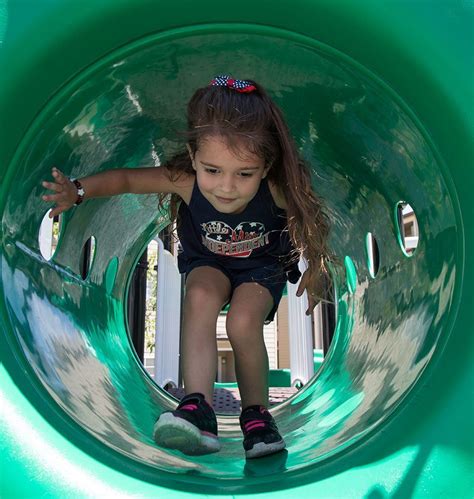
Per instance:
x=228, y=180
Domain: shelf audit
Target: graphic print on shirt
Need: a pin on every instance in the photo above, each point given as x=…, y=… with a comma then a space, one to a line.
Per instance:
x=222, y=239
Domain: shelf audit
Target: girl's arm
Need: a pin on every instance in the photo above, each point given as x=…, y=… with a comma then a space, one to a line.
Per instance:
x=110, y=183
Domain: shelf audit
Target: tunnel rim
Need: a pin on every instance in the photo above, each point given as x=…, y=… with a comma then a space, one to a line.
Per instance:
x=209, y=29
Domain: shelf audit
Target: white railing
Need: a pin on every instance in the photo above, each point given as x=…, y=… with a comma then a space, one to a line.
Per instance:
x=300, y=335
x=168, y=315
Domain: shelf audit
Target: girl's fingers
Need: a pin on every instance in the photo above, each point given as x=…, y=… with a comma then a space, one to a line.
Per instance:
x=57, y=210
x=52, y=186
x=311, y=305
x=60, y=196
x=51, y=197
x=59, y=176
x=302, y=285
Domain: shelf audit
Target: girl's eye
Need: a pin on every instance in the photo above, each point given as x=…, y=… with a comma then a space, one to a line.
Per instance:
x=244, y=174
x=212, y=171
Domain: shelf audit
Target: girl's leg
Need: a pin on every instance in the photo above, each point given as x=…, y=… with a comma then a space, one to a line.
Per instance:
x=207, y=290
x=250, y=305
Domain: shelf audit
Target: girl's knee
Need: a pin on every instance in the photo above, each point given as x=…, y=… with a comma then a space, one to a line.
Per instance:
x=204, y=294
x=244, y=329
x=207, y=286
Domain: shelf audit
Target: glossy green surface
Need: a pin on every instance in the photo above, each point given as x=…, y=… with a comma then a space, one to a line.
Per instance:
x=377, y=97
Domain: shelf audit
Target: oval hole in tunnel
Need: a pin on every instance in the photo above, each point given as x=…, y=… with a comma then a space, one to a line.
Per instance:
x=373, y=255
x=154, y=310
x=87, y=257
x=407, y=228
x=49, y=235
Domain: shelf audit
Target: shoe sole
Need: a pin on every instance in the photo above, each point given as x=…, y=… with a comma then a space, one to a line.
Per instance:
x=176, y=433
x=262, y=449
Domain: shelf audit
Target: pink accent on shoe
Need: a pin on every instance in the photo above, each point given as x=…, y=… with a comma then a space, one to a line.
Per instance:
x=251, y=425
x=189, y=407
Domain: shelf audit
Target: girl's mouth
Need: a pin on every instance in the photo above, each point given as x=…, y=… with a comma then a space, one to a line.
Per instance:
x=224, y=200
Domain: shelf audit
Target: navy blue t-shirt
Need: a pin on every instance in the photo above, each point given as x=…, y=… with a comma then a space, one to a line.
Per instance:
x=255, y=238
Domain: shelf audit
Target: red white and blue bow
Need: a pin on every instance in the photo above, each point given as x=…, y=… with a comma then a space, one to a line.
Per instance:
x=242, y=86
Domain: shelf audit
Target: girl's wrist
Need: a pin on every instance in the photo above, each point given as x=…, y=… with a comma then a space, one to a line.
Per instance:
x=80, y=191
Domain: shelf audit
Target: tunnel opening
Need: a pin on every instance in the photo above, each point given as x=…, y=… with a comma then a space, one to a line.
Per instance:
x=368, y=153
x=149, y=335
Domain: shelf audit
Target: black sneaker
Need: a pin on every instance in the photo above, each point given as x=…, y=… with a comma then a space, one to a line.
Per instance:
x=261, y=435
x=191, y=428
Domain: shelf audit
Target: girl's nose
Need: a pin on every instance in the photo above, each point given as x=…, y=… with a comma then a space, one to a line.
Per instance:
x=227, y=183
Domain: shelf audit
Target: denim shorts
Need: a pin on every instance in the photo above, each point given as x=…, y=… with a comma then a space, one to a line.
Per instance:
x=272, y=277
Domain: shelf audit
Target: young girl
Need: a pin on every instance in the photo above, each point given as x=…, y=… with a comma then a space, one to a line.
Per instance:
x=245, y=213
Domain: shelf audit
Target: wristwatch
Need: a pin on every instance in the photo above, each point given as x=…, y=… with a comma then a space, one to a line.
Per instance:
x=80, y=191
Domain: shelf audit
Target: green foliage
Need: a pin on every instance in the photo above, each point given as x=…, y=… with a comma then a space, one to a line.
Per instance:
x=150, y=314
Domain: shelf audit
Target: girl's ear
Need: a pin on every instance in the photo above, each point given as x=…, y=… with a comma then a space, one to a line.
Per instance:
x=266, y=170
x=191, y=154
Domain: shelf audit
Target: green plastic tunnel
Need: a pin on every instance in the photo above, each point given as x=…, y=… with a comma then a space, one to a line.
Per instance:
x=379, y=98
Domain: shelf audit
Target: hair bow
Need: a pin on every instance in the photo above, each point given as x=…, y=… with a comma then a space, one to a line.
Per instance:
x=242, y=86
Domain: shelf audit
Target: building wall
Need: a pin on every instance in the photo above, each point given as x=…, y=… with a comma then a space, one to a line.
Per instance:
x=225, y=350
x=283, y=336
x=226, y=364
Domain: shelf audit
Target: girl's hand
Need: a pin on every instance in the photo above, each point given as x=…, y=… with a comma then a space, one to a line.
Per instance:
x=314, y=285
x=65, y=193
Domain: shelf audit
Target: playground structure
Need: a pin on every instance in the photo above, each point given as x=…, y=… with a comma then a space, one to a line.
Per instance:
x=379, y=97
